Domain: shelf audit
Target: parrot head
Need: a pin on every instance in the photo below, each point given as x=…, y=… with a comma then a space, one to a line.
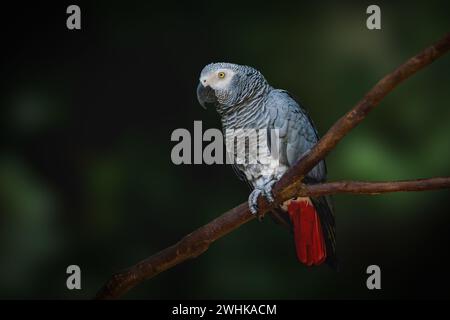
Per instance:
x=227, y=84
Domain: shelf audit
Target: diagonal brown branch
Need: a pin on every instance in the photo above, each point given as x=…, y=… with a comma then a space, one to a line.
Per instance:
x=354, y=117
x=290, y=185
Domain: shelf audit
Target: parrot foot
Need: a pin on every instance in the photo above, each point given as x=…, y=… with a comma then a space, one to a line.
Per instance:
x=266, y=190
x=253, y=200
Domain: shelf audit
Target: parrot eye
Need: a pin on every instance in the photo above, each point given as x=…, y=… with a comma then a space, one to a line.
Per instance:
x=221, y=75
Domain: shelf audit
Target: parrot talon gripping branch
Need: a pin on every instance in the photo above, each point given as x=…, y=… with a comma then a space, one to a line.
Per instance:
x=300, y=188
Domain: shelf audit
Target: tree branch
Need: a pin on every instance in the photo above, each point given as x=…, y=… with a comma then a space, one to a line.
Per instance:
x=372, y=188
x=289, y=185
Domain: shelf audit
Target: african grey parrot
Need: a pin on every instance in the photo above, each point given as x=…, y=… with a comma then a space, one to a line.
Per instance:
x=245, y=100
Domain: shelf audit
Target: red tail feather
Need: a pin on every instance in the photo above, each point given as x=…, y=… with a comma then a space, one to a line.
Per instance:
x=309, y=240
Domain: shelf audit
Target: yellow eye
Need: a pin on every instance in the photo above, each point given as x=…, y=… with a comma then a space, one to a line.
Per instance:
x=221, y=75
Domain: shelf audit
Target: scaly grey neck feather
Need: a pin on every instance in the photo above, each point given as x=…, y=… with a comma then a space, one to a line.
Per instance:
x=248, y=112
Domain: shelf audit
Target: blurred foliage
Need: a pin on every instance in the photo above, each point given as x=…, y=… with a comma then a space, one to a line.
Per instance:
x=86, y=119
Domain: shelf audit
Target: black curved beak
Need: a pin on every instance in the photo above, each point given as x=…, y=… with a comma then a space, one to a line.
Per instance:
x=206, y=95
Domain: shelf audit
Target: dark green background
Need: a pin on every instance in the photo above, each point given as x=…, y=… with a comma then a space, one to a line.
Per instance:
x=86, y=117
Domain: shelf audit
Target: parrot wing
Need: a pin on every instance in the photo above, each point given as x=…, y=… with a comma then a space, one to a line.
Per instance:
x=297, y=132
x=297, y=135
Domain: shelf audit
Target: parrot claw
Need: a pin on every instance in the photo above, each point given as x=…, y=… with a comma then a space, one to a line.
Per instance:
x=253, y=201
x=268, y=191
